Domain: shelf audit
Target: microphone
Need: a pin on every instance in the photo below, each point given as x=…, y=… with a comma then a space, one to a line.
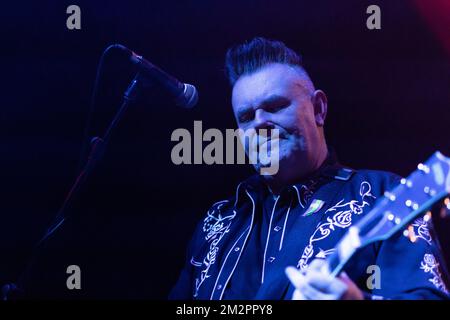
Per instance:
x=185, y=94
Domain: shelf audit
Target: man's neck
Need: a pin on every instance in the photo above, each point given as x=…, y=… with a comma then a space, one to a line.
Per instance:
x=276, y=183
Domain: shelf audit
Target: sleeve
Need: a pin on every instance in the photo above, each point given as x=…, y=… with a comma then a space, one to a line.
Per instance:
x=407, y=267
x=183, y=288
x=411, y=267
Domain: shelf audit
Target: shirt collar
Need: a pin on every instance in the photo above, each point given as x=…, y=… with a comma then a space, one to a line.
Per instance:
x=303, y=189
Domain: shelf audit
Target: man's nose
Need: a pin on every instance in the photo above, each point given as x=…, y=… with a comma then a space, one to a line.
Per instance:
x=262, y=119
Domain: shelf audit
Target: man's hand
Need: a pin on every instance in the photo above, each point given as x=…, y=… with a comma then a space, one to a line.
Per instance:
x=316, y=283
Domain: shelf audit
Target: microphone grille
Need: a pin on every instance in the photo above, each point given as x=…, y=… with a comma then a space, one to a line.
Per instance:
x=189, y=98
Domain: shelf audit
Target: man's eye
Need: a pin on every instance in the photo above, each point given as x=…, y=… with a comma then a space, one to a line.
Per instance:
x=245, y=118
x=279, y=107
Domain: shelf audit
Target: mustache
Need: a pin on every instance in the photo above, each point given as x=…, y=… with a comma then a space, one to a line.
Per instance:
x=258, y=140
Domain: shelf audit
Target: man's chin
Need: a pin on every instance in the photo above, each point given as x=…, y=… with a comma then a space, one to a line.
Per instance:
x=269, y=169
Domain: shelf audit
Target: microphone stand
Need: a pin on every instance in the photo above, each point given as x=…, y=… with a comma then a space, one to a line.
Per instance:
x=98, y=146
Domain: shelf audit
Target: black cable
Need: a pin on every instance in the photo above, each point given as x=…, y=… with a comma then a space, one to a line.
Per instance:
x=87, y=140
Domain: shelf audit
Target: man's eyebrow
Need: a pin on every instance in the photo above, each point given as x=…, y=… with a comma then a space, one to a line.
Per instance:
x=274, y=98
x=244, y=110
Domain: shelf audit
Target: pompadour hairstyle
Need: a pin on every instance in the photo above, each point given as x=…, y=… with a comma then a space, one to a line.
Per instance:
x=251, y=55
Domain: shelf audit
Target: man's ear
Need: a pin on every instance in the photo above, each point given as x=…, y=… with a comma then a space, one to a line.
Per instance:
x=320, y=104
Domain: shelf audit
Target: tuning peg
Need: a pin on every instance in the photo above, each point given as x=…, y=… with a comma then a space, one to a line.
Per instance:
x=429, y=191
x=390, y=216
x=389, y=195
x=406, y=182
x=423, y=168
x=411, y=205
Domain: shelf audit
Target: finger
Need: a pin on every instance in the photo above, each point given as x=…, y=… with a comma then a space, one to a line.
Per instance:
x=326, y=283
x=352, y=291
x=319, y=265
x=344, y=280
x=303, y=289
x=338, y=288
x=344, y=277
x=298, y=295
x=295, y=276
x=315, y=285
x=319, y=280
x=312, y=293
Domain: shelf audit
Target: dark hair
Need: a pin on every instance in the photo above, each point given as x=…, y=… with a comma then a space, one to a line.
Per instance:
x=251, y=55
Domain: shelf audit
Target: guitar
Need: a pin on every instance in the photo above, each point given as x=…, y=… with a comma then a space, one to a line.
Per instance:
x=396, y=209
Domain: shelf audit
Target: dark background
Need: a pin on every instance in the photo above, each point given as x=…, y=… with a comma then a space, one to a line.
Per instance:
x=388, y=96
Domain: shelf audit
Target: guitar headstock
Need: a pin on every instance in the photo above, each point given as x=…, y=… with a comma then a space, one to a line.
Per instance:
x=398, y=207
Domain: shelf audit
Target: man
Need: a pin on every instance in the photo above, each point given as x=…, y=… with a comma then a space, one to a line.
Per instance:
x=269, y=240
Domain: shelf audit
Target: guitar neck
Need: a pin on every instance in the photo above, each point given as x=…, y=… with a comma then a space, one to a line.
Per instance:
x=395, y=210
x=335, y=264
x=345, y=249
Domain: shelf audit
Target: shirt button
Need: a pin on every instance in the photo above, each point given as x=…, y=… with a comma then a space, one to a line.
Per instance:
x=277, y=228
x=237, y=249
x=219, y=287
x=271, y=259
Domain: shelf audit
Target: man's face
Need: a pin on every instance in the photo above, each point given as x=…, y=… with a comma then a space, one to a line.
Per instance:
x=277, y=96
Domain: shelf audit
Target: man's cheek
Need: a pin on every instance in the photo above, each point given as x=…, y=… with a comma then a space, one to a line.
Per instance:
x=286, y=147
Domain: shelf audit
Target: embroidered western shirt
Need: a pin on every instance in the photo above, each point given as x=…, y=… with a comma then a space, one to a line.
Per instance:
x=239, y=251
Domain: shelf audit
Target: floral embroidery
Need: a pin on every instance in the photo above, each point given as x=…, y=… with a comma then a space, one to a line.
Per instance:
x=430, y=265
x=306, y=191
x=215, y=226
x=421, y=230
x=341, y=219
x=322, y=254
x=305, y=195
